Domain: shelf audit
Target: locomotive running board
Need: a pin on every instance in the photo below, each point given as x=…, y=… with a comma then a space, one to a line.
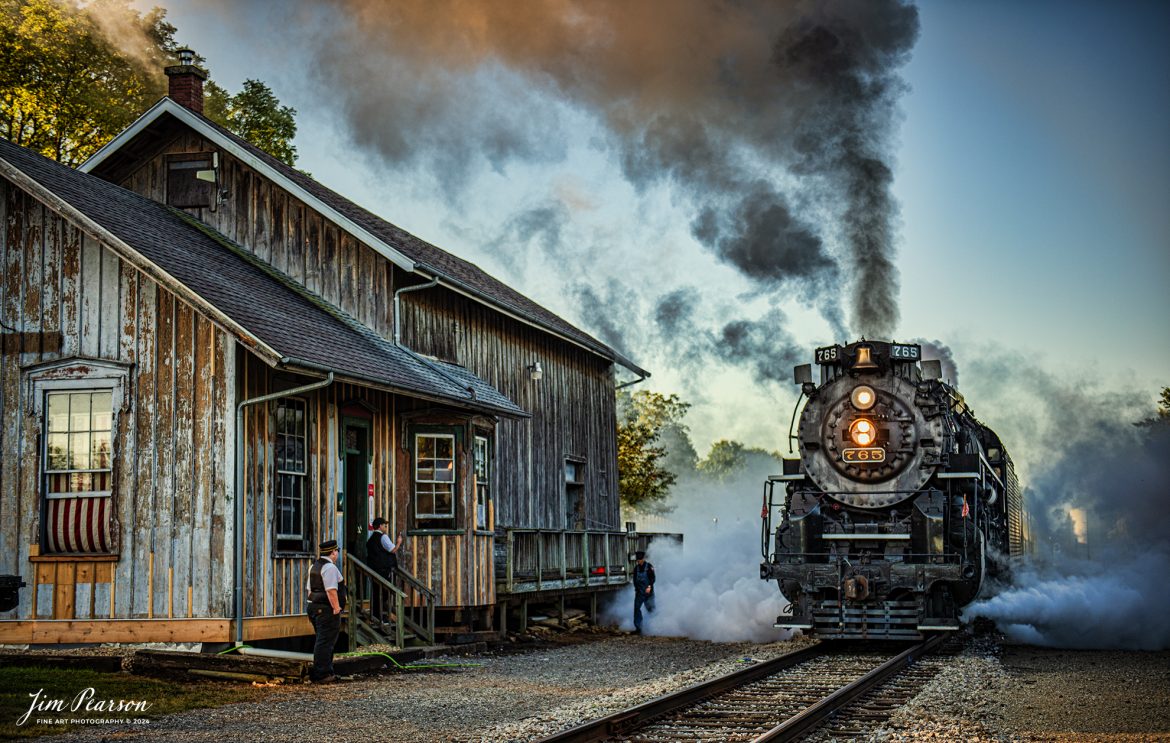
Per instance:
x=938, y=628
x=792, y=625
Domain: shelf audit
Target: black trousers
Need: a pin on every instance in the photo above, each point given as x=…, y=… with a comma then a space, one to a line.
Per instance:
x=327, y=626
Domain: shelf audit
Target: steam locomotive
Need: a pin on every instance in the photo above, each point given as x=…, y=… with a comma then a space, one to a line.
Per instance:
x=900, y=505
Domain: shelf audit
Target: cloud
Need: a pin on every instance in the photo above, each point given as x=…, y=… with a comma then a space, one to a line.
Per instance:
x=770, y=122
x=1081, y=455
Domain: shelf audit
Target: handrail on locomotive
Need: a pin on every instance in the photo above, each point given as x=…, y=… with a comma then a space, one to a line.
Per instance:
x=899, y=503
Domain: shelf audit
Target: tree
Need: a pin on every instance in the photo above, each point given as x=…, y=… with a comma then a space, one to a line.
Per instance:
x=74, y=75
x=727, y=458
x=1162, y=416
x=256, y=115
x=643, y=481
x=66, y=87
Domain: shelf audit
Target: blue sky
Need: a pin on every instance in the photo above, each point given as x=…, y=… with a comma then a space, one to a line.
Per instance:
x=1032, y=171
x=1035, y=164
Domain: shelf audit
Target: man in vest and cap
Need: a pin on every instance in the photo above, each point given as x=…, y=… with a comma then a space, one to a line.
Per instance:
x=643, y=589
x=382, y=556
x=326, y=588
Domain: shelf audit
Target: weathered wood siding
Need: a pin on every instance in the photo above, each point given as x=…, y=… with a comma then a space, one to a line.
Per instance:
x=456, y=566
x=66, y=295
x=455, y=563
x=275, y=583
x=572, y=408
x=267, y=220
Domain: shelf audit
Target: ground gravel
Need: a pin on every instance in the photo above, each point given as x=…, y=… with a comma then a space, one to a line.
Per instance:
x=996, y=692
x=496, y=696
x=989, y=692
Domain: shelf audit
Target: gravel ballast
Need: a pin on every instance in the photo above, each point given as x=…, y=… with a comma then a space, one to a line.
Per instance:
x=988, y=693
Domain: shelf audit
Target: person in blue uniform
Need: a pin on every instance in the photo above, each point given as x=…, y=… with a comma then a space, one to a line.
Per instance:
x=382, y=556
x=643, y=589
x=326, y=588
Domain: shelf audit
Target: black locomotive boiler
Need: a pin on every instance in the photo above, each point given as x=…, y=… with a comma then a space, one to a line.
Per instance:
x=899, y=506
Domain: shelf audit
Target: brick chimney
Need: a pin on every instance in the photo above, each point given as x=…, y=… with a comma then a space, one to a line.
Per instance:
x=186, y=82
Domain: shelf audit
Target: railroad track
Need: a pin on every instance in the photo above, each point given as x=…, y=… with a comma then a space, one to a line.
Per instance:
x=777, y=700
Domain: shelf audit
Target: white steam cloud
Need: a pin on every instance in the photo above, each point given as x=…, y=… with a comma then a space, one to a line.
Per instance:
x=1096, y=491
x=1116, y=601
x=710, y=589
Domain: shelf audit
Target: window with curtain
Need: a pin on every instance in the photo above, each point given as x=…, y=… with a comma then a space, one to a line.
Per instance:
x=78, y=471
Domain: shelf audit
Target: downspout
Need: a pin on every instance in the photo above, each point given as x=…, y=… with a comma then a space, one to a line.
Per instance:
x=398, y=335
x=239, y=595
x=417, y=287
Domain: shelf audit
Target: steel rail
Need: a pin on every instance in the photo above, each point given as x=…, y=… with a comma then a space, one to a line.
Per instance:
x=628, y=719
x=815, y=714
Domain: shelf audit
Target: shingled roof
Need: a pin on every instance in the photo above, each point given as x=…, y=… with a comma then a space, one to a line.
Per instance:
x=269, y=312
x=396, y=244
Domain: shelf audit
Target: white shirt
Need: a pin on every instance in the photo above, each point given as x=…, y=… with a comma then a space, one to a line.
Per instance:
x=330, y=576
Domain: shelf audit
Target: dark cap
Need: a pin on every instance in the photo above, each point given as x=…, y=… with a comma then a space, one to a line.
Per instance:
x=327, y=546
x=639, y=555
x=379, y=521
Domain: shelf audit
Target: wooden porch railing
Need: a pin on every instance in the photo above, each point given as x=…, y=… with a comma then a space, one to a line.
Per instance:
x=552, y=559
x=409, y=613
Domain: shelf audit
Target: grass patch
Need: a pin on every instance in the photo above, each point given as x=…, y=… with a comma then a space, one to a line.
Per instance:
x=164, y=697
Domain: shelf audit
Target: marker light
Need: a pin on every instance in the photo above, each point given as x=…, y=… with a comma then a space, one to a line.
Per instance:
x=863, y=397
x=862, y=432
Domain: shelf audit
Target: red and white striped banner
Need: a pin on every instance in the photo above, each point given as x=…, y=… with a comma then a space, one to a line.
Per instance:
x=80, y=524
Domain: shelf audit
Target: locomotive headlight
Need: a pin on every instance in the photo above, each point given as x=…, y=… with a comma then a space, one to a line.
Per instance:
x=863, y=397
x=862, y=432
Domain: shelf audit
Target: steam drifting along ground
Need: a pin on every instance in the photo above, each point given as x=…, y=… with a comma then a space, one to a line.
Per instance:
x=710, y=588
x=1096, y=488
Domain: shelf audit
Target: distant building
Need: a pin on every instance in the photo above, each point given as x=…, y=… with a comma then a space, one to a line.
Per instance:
x=211, y=362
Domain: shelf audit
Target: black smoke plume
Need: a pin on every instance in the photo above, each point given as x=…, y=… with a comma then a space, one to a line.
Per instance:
x=939, y=351
x=773, y=121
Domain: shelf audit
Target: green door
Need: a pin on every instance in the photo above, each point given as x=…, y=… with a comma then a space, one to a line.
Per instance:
x=357, y=459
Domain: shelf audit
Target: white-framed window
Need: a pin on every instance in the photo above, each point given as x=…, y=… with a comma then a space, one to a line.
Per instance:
x=291, y=476
x=483, y=483
x=434, y=476
x=77, y=403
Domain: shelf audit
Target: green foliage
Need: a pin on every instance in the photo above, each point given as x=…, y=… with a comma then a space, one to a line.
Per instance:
x=728, y=458
x=643, y=479
x=73, y=75
x=1162, y=416
x=256, y=115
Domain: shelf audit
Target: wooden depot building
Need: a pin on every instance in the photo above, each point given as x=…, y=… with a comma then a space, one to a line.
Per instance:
x=211, y=362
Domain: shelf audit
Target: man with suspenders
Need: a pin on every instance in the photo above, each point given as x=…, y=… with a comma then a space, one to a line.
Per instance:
x=326, y=588
x=382, y=556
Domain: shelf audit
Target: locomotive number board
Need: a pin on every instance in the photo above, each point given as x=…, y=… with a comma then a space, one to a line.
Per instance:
x=905, y=352
x=828, y=355
x=857, y=456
